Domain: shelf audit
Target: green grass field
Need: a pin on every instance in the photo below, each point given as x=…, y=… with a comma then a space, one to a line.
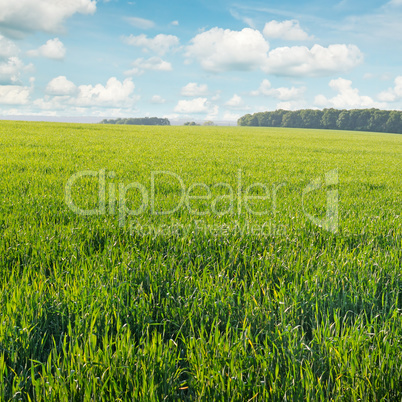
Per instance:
x=227, y=298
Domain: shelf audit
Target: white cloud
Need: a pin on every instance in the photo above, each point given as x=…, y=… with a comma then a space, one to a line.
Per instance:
x=51, y=105
x=241, y=17
x=52, y=49
x=236, y=102
x=382, y=77
x=11, y=69
x=230, y=116
x=288, y=30
x=62, y=93
x=376, y=25
x=61, y=86
x=395, y=3
x=113, y=94
x=160, y=44
x=193, y=89
x=212, y=112
x=175, y=23
x=22, y=16
x=368, y=76
x=347, y=98
x=319, y=60
x=197, y=105
x=157, y=99
x=392, y=94
x=220, y=50
x=7, y=48
x=14, y=95
x=152, y=64
x=140, y=23
x=291, y=105
x=217, y=96
x=282, y=93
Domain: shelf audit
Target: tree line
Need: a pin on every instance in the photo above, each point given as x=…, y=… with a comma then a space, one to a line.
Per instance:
x=143, y=121
x=193, y=123
x=386, y=121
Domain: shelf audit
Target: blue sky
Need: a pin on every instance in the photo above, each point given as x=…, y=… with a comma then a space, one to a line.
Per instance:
x=200, y=60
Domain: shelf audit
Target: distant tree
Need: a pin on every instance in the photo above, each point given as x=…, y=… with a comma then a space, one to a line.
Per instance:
x=362, y=121
x=355, y=119
x=147, y=121
x=343, y=122
x=378, y=120
x=248, y=120
x=277, y=116
x=311, y=118
x=394, y=123
x=191, y=123
x=292, y=119
x=329, y=118
x=264, y=119
x=208, y=123
x=243, y=121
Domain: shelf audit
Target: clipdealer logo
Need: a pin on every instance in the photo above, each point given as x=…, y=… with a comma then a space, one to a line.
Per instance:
x=236, y=198
x=331, y=221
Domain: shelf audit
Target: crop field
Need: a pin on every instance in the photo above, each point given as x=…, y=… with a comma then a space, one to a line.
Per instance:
x=199, y=264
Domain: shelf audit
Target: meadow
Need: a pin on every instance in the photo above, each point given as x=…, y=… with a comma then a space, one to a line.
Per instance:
x=182, y=263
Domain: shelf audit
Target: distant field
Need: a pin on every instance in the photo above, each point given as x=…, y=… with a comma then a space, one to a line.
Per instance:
x=199, y=263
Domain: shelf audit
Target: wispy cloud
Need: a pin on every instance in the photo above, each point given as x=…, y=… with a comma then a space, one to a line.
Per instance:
x=160, y=44
x=152, y=64
x=140, y=23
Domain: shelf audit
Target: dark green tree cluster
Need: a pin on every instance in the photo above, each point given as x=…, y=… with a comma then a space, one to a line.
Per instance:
x=385, y=121
x=139, y=121
x=191, y=123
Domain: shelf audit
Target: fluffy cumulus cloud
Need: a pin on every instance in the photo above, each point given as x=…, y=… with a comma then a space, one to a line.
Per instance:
x=291, y=105
x=220, y=50
x=213, y=112
x=160, y=44
x=392, y=94
x=61, y=86
x=52, y=49
x=62, y=93
x=317, y=61
x=196, y=106
x=113, y=94
x=282, y=93
x=140, y=23
x=11, y=66
x=193, y=89
x=14, y=95
x=236, y=102
x=11, y=69
x=287, y=30
x=7, y=48
x=22, y=16
x=231, y=117
x=152, y=64
x=347, y=97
